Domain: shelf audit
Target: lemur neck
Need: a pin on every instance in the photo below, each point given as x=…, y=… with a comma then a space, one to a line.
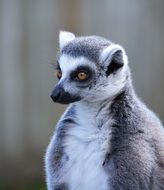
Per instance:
x=126, y=111
x=126, y=96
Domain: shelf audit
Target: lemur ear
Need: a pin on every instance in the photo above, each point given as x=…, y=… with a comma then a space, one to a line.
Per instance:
x=65, y=38
x=113, y=57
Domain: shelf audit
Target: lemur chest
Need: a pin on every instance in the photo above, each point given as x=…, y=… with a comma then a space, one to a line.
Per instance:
x=86, y=146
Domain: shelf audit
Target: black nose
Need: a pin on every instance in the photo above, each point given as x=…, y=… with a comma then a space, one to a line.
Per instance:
x=61, y=96
x=57, y=94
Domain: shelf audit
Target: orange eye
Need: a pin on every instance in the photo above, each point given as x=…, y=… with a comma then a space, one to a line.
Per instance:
x=59, y=74
x=82, y=76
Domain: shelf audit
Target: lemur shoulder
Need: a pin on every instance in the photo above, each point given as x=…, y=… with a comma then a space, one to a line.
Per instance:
x=107, y=139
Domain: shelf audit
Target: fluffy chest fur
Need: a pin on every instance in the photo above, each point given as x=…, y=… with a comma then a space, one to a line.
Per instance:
x=86, y=146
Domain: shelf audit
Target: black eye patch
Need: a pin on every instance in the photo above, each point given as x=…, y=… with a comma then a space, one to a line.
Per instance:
x=85, y=69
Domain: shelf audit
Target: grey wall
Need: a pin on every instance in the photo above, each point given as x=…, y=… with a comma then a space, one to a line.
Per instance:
x=28, y=46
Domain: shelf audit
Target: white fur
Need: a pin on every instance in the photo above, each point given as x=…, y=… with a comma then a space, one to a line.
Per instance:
x=69, y=63
x=65, y=38
x=86, y=145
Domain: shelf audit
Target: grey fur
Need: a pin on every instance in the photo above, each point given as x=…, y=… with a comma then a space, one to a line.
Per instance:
x=135, y=160
x=55, y=156
x=137, y=146
x=86, y=46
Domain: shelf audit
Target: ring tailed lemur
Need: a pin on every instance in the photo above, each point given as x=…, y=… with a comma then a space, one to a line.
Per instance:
x=107, y=138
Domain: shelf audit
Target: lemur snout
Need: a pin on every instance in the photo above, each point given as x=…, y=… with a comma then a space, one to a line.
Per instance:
x=57, y=94
x=61, y=96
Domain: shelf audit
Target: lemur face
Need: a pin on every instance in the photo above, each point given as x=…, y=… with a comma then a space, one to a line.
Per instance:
x=89, y=69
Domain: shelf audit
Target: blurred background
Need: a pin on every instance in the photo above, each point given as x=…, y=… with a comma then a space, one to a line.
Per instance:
x=28, y=45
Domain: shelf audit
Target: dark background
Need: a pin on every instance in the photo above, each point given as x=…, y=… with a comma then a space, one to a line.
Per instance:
x=28, y=45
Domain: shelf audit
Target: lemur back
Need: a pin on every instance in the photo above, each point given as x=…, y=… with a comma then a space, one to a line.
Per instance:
x=107, y=139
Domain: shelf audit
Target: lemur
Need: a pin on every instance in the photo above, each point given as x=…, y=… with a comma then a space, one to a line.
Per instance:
x=107, y=139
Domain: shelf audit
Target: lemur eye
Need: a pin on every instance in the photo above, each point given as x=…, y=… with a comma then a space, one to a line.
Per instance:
x=82, y=75
x=59, y=74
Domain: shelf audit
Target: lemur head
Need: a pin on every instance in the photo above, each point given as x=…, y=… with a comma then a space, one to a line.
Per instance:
x=89, y=69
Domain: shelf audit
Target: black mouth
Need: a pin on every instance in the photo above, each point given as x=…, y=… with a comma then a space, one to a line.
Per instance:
x=66, y=100
x=64, y=97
